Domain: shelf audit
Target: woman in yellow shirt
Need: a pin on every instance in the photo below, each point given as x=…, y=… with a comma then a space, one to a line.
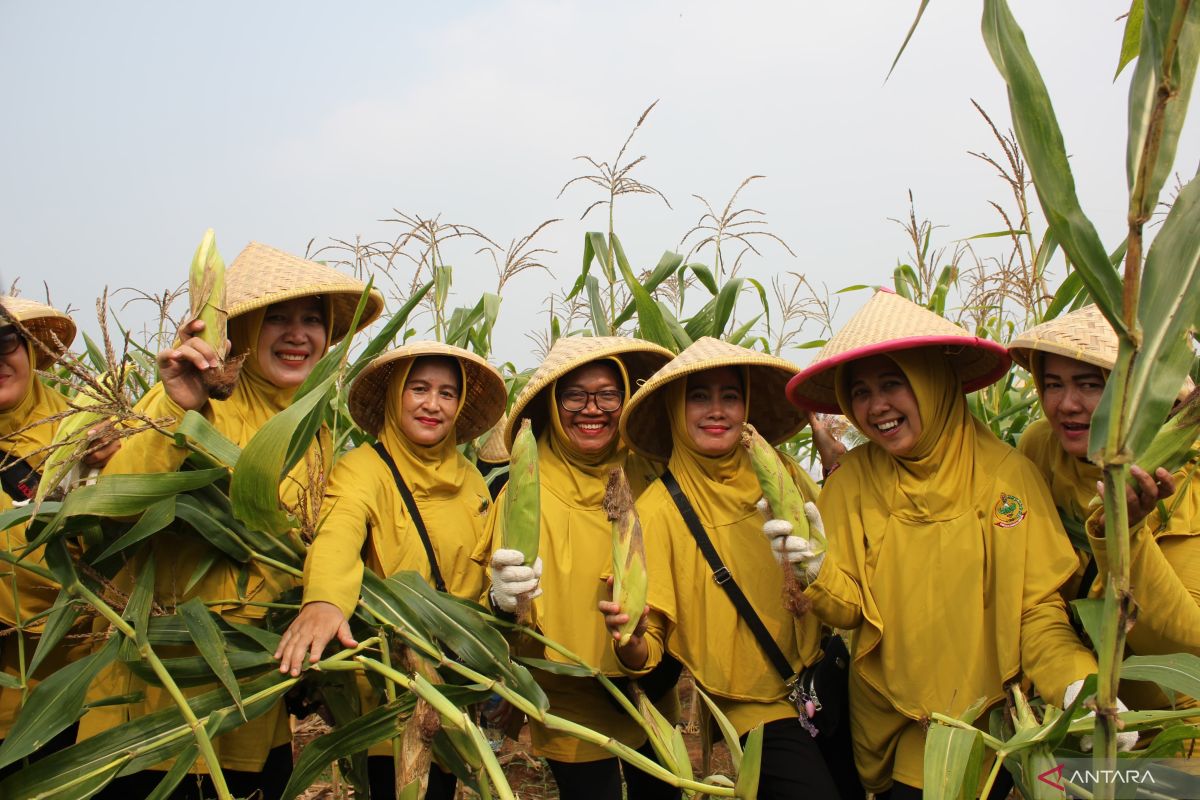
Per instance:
x=690, y=414
x=27, y=406
x=284, y=313
x=1070, y=359
x=575, y=400
x=945, y=552
x=420, y=401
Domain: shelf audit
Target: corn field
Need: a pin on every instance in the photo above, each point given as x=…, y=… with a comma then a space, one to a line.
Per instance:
x=433, y=654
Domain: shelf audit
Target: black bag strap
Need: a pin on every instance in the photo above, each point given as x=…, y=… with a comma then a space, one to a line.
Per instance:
x=19, y=480
x=724, y=579
x=411, y=505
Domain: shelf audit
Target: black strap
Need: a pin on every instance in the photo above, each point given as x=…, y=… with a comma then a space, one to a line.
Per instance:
x=724, y=579
x=411, y=505
x=19, y=480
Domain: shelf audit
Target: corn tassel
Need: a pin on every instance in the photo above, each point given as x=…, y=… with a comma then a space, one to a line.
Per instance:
x=630, y=582
x=522, y=503
x=206, y=295
x=1175, y=443
x=786, y=503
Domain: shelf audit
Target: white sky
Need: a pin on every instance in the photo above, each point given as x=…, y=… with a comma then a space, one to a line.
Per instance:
x=131, y=127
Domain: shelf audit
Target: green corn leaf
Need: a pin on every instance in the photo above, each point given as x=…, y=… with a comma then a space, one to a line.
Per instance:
x=195, y=514
x=599, y=249
x=123, y=496
x=1041, y=141
x=751, y=766
x=953, y=760
x=254, y=489
x=383, y=340
x=651, y=325
x=54, y=705
x=189, y=671
x=195, y=430
x=682, y=340
x=63, y=615
x=153, y=520
x=1157, y=24
x=666, y=266
x=9, y=681
x=207, y=637
x=558, y=668
x=1179, y=672
x=375, y=726
x=705, y=276
x=1131, y=41
x=596, y=307
x=1091, y=613
x=179, y=769
x=907, y=37
x=701, y=323
x=726, y=304
x=728, y=732
x=137, y=611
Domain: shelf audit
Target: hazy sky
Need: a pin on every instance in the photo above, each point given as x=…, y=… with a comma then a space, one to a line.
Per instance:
x=131, y=127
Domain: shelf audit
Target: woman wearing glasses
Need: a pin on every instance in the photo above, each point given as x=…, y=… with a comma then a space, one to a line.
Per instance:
x=574, y=402
x=29, y=417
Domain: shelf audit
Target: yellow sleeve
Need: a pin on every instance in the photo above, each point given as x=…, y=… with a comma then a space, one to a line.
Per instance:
x=1051, y=653
x=333, y=568
x=657, y=631
x=150, y=451
x=836, y=594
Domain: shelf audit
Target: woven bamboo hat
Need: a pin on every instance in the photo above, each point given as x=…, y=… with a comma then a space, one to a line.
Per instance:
x=888, y=323
x=493, y=450
x=644, y=423
x=262, y=275
x=1084, y=335
x=45, y=323
x=641, y=360
x=483, y=393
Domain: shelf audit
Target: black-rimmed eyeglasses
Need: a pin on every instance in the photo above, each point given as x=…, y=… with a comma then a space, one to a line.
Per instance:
x=10, y=340
x=606, y=400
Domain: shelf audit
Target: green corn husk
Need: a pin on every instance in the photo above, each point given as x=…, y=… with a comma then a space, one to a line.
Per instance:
x=630, y=581
x=787, y=503
x=1175, y=443
x=70, y=442
x=206, y=295
x=522, y=497
x=1038, y=759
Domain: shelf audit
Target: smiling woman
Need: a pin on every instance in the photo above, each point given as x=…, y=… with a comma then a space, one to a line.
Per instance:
x=284, y=313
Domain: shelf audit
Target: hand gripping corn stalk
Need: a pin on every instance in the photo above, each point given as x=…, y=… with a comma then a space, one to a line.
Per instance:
x=206, y=294
x=787, y=503
x=630, y=582
x=522, y=510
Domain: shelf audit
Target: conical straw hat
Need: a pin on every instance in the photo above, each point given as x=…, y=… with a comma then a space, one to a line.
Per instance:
x=1084, y=335
x=644, y=424
x=44, y=323
x=640, y=358
x=483, y=395
x=888, y=323
x=262, y=275
x=493, y=450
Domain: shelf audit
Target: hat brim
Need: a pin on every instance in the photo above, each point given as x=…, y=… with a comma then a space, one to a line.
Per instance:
x=979, y=362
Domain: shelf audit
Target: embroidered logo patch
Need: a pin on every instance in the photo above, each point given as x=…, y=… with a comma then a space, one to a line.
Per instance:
x=1009, y=511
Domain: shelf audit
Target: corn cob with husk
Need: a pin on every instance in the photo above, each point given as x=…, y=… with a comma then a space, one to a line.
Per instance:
x=1175, y=443
x=785, y=502
x=206, y=295
x=1035, y=759
x=71, y=442
x=522, y=503
x=630, y=582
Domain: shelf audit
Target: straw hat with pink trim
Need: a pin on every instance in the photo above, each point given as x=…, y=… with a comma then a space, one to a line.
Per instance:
x=888, y=323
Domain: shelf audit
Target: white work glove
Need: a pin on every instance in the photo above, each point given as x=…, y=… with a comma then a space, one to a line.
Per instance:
x=1125, y=740
x=794, y=550
x=511, y=579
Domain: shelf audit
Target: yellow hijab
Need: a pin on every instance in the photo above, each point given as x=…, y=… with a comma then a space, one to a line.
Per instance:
x=431, y=471
x=39, y=402
x=721, y=488
x=576, y=477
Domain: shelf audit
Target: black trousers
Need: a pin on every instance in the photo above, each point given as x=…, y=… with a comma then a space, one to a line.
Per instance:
x=792, y=764
x=267, y=784
x=381, y=772
x=601, y=780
